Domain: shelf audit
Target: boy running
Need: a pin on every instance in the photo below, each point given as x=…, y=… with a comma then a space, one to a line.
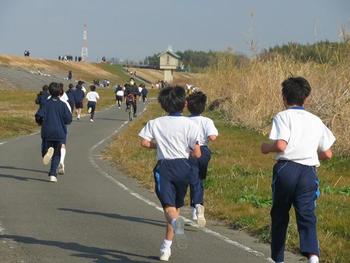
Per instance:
x=208, y=132
x=53, y=118
x=92, y=98
x=300, y=140
x=79, y=95
x=119, y=95
x=176, y=138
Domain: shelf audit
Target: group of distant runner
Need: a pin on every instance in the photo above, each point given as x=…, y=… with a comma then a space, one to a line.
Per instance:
x=55, y=112
x=299, y=138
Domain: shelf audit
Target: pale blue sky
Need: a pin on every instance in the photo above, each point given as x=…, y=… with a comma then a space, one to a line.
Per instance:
x=136, y=28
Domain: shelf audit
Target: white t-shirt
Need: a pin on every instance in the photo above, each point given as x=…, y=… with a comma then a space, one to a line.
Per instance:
x=305, y=134
x=120, y=93
x=92, y=96
x=207, y=128
x=175, y=136
x=64, y=97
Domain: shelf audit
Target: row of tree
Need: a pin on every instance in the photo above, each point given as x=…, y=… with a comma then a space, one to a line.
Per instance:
x=320, y=52
x=194, y=61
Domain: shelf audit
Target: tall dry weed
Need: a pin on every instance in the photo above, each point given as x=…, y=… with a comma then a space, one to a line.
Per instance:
x=251, y=93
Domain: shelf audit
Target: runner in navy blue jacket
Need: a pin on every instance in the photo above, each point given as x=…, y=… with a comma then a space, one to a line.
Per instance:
x=42, y=96
x=53, y=118
x=79, y=95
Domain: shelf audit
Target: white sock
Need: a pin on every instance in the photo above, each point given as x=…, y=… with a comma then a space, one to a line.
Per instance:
x=313, y=259
x=63, y=155
x=166, y=244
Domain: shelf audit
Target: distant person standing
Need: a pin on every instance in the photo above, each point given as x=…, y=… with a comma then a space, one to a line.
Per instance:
x=92, y=98
x=79, y=95
x=70, y=75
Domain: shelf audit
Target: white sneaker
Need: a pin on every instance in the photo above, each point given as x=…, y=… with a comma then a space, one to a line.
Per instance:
x=165, y=254
x=314, y=259
x=53, y=179
x=89, y=110
x=61, y=168
x=194, y=214
x=91, y=120
x=180, y=237
x=48, y=155
x=200, y=216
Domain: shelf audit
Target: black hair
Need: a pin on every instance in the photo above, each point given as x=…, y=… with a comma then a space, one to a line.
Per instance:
x=196, y=102
x=295, y=90
x=54, y=89
x=92, y=87
x=70, y=86
x=45, y=88
x=172, y=99
x=61, y=88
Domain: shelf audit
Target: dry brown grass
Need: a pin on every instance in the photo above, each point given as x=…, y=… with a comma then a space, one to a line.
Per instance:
x=81, y=70
x=253, y=93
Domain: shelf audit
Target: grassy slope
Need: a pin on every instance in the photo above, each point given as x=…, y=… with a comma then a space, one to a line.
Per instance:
x=18, y=107
x=238, y=184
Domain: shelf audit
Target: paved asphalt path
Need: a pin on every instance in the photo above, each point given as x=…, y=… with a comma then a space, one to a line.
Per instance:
x=94, y=213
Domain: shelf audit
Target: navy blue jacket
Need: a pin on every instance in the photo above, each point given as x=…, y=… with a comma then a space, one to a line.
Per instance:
x=42, y=98
x=53, y=117
x=71, y=97
x=79, y=95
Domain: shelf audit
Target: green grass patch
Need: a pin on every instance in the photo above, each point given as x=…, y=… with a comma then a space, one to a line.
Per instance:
x=117, y=70
x=238, y=185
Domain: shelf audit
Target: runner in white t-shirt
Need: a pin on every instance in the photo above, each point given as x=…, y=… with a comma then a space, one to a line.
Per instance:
x=92, y=97
x=176, y=138
x=208, y=132
x=300, y=140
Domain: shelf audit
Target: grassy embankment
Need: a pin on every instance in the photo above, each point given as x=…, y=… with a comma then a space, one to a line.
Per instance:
x=238, y=185
x=17, y=105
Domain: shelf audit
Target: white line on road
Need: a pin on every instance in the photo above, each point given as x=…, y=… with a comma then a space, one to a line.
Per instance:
x=145, y=200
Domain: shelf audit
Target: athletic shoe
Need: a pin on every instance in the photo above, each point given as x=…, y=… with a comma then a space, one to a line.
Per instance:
x=135, y=115
x=200, y=215
x=53, y=179
x=180, y=237
x=89, y=110
x=314, y=259
x=165, y=254
x=194, y=214
x=61, y=168
x=91, y=120
x=48, y=155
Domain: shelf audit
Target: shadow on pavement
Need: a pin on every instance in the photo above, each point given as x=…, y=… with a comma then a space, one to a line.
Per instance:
x=98, y=255
x=111, y=119
x=117, y=216
x=20, y=178
x=23, y=169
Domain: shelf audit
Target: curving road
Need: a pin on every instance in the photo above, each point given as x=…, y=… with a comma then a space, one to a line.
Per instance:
x=95, y=213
